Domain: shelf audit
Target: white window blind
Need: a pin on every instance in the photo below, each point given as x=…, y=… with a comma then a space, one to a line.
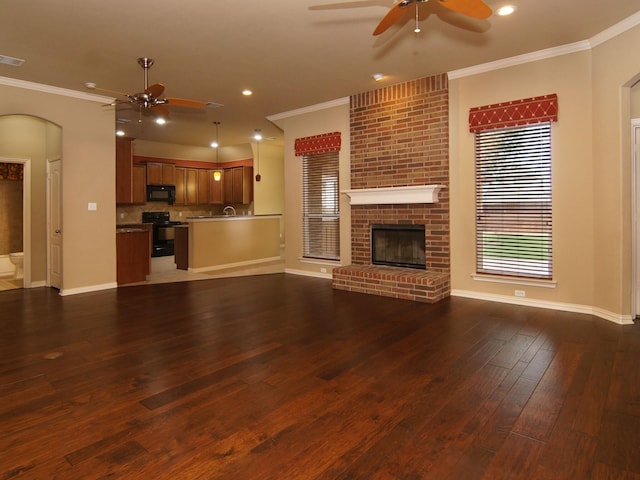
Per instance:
x=321, y=206
x=513, y=201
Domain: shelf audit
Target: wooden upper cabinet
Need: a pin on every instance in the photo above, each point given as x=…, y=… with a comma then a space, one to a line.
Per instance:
x=242, y=185
x=180, y=178
x=216, y=193
x=160, y=173
x=124, y=171
x=191, y=186
x=203, y=186
x=139, y=184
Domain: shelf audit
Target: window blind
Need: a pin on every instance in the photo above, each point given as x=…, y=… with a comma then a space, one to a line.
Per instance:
x=513, y=201
x=321, y=206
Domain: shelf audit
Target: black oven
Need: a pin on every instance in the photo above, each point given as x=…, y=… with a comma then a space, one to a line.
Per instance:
x=163, y=232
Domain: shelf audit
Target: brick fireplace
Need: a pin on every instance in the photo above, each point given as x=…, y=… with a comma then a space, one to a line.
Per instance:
x=399, y=139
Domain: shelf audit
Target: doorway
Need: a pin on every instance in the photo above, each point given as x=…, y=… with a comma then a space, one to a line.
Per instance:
x=635, y=148
x=16, y=197
x=32, y=141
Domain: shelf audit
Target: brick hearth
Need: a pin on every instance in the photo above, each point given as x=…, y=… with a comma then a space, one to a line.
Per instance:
x=399, y=137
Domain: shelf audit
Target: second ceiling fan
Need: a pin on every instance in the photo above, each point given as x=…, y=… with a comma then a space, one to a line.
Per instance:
x=471, y=8
x=150, y=98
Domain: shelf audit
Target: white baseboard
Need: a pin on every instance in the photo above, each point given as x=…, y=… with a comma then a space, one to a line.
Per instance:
x=306, y=273
x=246, y=263
x=564, y=307
x=88, y=289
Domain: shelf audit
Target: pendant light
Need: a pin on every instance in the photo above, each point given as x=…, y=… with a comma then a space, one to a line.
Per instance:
x=257, y=137
x=217, y=174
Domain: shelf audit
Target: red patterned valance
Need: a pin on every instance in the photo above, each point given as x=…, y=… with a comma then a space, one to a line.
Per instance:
x=11, y=171
x=514, y=113
x=327, y=142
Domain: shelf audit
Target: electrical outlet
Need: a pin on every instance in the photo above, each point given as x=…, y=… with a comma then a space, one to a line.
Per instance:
x=92, y=207
x=520, y=293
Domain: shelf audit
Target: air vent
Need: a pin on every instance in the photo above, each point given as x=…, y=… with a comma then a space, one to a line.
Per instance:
x=213, y=105
x=15, y=62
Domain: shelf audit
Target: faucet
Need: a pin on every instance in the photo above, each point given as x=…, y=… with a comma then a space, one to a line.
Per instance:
x=229, y=207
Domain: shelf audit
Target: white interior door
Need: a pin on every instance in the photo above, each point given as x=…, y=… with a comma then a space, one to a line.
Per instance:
x=54, y=202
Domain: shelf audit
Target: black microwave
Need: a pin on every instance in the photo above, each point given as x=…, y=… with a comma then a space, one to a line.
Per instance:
x=161, y=193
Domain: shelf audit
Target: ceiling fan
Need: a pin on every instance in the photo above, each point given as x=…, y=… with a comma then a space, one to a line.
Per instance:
x=150, y=98
x=470, y=8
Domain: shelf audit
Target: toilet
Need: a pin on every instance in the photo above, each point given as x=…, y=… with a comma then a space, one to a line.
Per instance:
x=17, y=258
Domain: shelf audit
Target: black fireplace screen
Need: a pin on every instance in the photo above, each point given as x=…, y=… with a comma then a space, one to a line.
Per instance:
x=398, y=245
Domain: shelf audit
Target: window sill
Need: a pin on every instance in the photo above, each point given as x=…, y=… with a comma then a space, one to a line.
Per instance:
x=529, y=282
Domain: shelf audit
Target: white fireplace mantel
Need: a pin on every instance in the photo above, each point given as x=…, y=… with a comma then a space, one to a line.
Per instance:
x=391, y=195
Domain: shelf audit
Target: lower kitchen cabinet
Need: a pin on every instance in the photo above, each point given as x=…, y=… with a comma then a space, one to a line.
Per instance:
x=133, y=256
x=181, y=247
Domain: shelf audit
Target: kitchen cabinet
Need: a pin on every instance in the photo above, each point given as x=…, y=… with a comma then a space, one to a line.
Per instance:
x=181, y=247
x=216, y=189
x=203, y=186
x=191, y=186
x=124, y=171
x=160, y=173
x=238, y=187
x=180, y=179
x=139, y=184
x=132, y=255
x=186, y=182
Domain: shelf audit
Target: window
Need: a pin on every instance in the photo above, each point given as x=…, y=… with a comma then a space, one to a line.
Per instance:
x=321, y=207
x=513, y=201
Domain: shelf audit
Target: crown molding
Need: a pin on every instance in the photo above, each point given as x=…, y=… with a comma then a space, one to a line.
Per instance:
x=615, y=30
x=12, y=82
x=608, y=34
x=520, y=59
x=310, y=109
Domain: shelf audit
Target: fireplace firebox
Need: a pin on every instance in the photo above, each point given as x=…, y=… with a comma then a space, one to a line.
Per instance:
x=398, y=245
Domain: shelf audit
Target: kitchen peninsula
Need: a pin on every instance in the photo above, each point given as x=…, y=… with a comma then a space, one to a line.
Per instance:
x=217, y=242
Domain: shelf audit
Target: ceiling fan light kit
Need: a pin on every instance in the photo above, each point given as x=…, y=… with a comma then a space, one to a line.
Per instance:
x=471, y=8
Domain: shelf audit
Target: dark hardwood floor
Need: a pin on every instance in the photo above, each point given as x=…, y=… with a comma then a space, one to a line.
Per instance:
x=281, y=377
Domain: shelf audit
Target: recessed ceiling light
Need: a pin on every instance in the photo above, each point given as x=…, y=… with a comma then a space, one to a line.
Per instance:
x=246, y=92
x=120, y=133
x=214, y=144
x=506, y=10
x=15, y=62
x=377, y=76
x=160, y=121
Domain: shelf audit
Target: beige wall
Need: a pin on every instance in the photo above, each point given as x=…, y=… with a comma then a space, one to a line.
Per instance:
x=88, y=175
x=333, y=117
x=592, y=178
x=174, y=151
x=616, y=68
x=268, y=193
x=572, y=174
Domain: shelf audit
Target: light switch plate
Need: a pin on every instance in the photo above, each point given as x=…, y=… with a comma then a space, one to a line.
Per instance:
x=92, y=206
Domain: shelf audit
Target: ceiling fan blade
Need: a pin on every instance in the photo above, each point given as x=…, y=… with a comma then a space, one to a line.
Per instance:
x=183, y=102
x=471, y=8
x=91, y=86
x=155, y=90
x=160, y=110
x=393, y=15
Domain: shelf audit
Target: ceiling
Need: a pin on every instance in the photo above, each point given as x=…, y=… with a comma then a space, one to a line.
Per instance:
x=290, y=53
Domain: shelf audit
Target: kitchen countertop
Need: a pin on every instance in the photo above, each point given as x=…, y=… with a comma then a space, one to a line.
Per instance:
x=131, y=230
x=229, y=217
